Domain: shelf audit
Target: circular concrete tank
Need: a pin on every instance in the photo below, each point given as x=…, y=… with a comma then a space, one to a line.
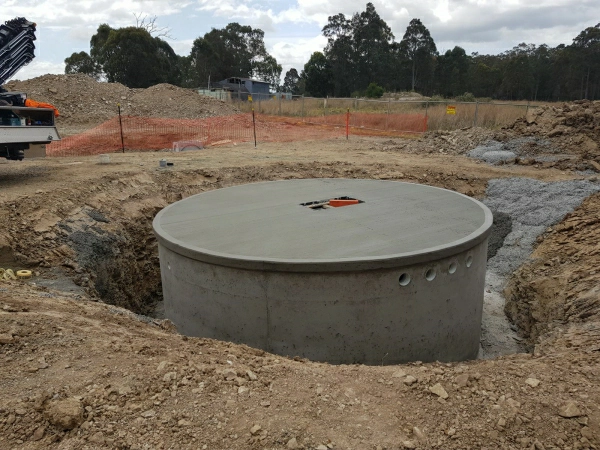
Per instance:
x=398, y=276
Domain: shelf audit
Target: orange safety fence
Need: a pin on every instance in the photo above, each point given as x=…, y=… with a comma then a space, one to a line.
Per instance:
x=151, y=134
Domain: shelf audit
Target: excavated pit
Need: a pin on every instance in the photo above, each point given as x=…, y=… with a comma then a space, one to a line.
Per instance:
x=109, y=250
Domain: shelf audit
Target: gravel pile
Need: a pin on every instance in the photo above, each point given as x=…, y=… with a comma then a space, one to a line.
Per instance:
x=526, y=208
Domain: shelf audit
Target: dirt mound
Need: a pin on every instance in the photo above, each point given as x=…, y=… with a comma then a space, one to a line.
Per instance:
x=575, y=127
x=456, y=142
x=84, y=102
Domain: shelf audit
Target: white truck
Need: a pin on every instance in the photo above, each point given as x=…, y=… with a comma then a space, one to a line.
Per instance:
x=23, y=122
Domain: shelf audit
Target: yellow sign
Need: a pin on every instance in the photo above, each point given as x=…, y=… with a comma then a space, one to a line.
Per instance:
x=249, y=98
x=451, y=110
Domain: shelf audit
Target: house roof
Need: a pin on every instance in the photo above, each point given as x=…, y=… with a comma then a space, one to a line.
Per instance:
x=247, y=79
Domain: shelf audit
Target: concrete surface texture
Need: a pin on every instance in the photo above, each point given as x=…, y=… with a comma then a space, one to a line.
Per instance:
x=264, y=225
x=409, y=285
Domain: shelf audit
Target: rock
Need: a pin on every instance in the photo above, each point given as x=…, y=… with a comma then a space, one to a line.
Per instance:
x=462, y=380
x=399, y=374
x=66, y=414
x=184, y=423
x=54, y=91
x=501, y=423
x=6, y=339
x=293, y=444
x=255, y=430
x=569, y=410
x=162, y=365
x=587, y=433
x=321, y=447
x=242, y=390
x=149, y=413
x=229, y=374
x=538, y=445
x=533, y=382
x=438, y=390
x=582, y=420
x=266, y=404
x=409, y=380
x=20, y=411
x=38, y=433
x=169, y=376
x=42, y=364
x=419, y=434
x=409, y=444
x=97, y=438
x=251, y=375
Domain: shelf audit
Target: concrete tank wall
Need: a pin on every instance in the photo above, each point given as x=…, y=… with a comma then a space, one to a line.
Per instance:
x=358, y=317
x=425, y=310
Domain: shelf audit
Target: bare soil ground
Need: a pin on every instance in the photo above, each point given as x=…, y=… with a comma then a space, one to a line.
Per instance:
x=79, y=373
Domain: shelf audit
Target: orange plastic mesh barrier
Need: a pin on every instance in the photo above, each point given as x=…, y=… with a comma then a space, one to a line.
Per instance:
x=140, y=133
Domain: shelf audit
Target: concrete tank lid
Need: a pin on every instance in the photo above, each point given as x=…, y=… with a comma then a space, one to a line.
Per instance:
x=263, y=226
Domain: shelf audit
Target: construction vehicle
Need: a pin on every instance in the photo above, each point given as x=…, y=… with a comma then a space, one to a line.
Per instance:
x=23, y=122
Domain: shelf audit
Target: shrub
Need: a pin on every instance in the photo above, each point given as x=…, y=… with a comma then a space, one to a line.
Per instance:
x=374, y=91
x=466, y=97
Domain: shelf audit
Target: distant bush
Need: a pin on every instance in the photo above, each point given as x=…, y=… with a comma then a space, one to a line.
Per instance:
x=466, y=97
x=374, y=91
x=436, y=98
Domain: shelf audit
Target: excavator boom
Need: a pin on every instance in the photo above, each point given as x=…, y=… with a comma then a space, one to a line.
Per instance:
x=16, y=46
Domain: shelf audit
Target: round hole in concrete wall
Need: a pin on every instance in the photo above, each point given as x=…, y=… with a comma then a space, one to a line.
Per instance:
x=452, y=267
x=430, y=274
x=469, y=260
x=404, y=279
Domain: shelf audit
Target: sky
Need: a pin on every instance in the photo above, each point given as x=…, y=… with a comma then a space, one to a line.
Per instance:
x=293, y=27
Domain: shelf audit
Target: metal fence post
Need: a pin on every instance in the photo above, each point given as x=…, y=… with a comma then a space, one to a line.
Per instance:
x=325, y=108
x=426, y=107
x=280, y=103
x=259, y=109
x=388, y=114
x=475, y=118
x=302, y=113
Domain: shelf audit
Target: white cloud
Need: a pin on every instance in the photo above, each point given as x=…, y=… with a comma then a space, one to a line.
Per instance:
x=183, y=47
x=292, y=27
x=80, y=16
x=37, y=68
x=294, y=51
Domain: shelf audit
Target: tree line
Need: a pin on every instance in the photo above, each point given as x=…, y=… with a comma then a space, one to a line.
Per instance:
x=134, y=57
x=361, y=57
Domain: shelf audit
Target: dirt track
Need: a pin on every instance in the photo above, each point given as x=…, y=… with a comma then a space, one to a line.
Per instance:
x=77, y=372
